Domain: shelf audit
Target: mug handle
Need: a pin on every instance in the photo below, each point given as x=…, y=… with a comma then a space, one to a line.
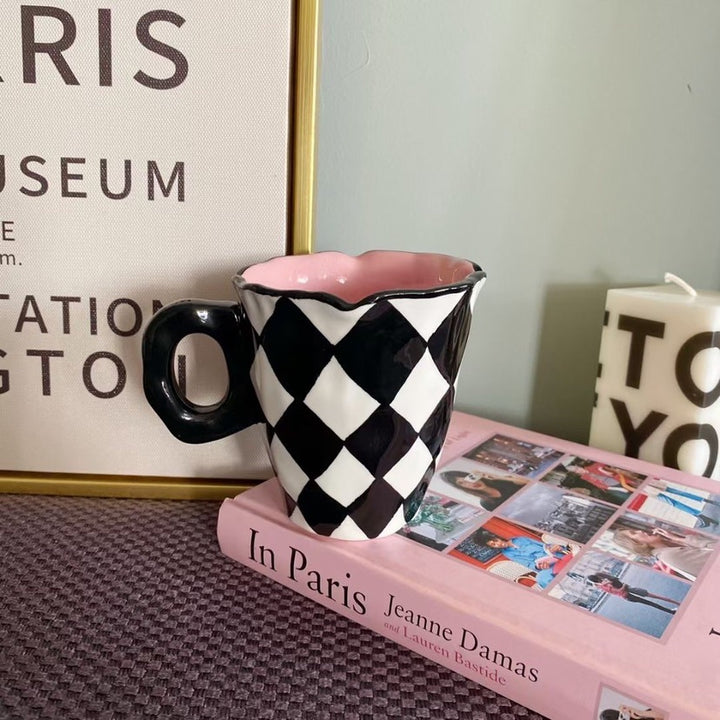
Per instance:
x=226, y=323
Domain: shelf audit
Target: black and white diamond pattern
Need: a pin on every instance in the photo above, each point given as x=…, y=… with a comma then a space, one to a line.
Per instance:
x=357, y=402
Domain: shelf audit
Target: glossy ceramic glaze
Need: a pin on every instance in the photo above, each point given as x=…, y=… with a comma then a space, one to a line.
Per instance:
x=352, y=362
x=355, y=279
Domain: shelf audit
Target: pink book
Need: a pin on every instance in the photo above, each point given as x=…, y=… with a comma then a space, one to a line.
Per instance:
x=579, y=583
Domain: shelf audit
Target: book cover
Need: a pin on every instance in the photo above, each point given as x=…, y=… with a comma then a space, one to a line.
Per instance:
x=579, y=583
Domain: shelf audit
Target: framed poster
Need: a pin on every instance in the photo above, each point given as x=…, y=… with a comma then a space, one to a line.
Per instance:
x=148, y=150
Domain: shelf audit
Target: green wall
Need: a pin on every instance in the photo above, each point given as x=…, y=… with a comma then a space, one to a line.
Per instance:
x=567, y=147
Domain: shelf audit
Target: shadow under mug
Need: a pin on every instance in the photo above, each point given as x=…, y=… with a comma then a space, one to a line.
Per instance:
x=351, y=363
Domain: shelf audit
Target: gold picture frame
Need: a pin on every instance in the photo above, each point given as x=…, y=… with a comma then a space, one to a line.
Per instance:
x=304, y=57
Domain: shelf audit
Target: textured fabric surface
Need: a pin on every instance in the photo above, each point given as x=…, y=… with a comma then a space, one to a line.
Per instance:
x=127, y=609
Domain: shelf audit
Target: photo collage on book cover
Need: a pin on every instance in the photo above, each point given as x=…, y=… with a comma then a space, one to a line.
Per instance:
x=618, y=544
x=616, y=705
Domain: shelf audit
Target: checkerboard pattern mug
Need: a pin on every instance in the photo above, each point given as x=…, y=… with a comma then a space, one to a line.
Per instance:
x=351, y=363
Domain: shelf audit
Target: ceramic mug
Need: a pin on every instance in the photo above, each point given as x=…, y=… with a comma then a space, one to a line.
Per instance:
x=350, y=362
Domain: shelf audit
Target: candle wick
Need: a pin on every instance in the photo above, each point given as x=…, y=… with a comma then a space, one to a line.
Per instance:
x=689, y=289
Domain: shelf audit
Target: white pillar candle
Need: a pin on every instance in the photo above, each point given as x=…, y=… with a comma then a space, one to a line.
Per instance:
x=657, y=395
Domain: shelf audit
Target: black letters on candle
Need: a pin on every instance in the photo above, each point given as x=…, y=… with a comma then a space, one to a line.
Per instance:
x=683, y=361
x=641, y=329
x=635, y=436
x=692, y=431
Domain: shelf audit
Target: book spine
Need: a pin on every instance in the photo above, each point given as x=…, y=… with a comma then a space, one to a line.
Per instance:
x=523, y=669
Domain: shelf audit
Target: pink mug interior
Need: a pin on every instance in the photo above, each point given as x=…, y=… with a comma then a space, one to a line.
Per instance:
x=353, y=278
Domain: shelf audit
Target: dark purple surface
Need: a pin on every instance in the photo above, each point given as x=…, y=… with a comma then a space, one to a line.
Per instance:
x=127, y=609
